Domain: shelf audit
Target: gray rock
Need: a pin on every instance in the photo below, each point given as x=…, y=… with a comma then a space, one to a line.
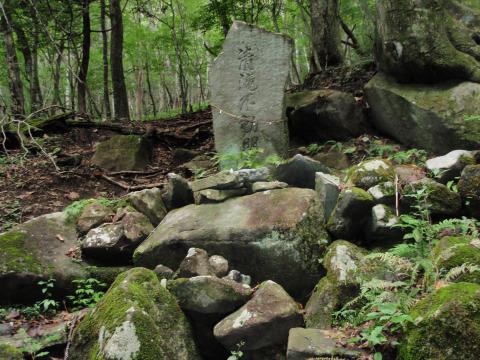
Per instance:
x=177, y=192
x=381, y=229
x=305, y=344
x=270, y=235
x=370, y=173
x=93, y=215
x=328, y=188
x=419, y=115
x=268, y=185
x=322, y=115
x=219, y=265
x=409, y=173
x=123, y=153
x=333, y=159
x=107, y=242
x=34, y=251
x=263, y=321
x=350, y=214
x=210, y=196
x=209, y=294
x=150, y=203
x=469, y=189
x=237, y=276
x=136, y=226
x=383, y=193
x=223, y=180
x=299, y=171
x=256, y=95
x=195, y=263
x=163, y=272
x=249, y=176
x=449, y=166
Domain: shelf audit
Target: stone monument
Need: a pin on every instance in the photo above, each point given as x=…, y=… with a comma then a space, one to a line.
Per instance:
x=247, y=83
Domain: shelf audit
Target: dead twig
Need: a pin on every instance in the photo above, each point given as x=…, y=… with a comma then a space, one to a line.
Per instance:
x=131, y=187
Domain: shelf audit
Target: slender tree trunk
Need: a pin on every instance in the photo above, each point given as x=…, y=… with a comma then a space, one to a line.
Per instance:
x=56, y=74
x=83, y=71
x=325, y=23
x=120, y=97
x=106, y=90
x=149, y=86
x=24, y=47
x=14, y=78
x=139, y=93
x=36, y=91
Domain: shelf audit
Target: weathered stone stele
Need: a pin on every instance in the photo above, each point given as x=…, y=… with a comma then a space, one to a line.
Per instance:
x=247, y=83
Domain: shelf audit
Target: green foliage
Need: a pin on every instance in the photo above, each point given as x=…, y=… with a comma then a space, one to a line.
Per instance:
x=74, y=210
x=87, y=294
x=330, y=145
x=411, y=156
x=248, y=159
x=48, y=305
x=33, y=347
x=237, y=354
x=471, y=117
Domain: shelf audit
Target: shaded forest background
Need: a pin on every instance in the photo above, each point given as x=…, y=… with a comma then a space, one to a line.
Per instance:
x=145, y=60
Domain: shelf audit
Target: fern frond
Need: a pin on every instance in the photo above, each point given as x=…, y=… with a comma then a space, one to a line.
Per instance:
x=458, y=271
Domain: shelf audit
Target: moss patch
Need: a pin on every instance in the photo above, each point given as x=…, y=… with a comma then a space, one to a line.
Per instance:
x=14, y=257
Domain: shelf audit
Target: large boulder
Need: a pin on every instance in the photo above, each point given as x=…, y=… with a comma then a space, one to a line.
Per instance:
x=262, y=322
x=449, y=166
x=275, y=235
x=419, y=115
x=446, y=325
x=137, y=319
x=321, y=115
x=123, y=153
x=150, y=203
x=429, y=40
x=34, y=251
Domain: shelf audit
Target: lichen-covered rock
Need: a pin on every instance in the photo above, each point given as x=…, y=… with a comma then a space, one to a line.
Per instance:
x=8, y=352
x=321, y=115
x=93, y=215
x=449, y=166
x=440, y=199
x=34, y=251
x=419, y=115
x=429, y=40
x=370, y=173
x=275, y=235
x=123, y=153
x=299, y=171
x=238, y=277
x=454, y=251
x=381, y=229
x=446, y=325
x=137, y=319
x=469, y=189
x=209, y=294
x=177, y=192
x=383, y=193
x=150, y=203
x=263, y=321
x=136, y=226
x=305, y=344
x=350, y=214
x=219, y=265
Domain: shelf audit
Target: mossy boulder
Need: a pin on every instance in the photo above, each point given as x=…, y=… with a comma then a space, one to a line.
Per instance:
x=469, y=188
x=370, y=173
x=446, y=325
x=455, y=251
x=137, y=319
x=419, y=115
x=275, y=235
x=426, y=41
x=34, y=251
x=123, y=153
x=350, y=214
x=8, y=352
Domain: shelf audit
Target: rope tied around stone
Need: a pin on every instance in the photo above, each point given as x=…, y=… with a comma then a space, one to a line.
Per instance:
x=239, y=117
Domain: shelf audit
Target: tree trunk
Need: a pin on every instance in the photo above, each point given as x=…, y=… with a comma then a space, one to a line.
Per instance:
x=83, y=71
x=106, y=90
x=120, y=97
x=149, y=86
x=14, y=78
x=325, y=23
x=56, y=74
x=139, y=93
x=36, y=91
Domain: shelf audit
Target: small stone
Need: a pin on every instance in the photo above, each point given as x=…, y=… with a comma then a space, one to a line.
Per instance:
x=328, y=188
x=107, y=243
x=305, y=344
x=195, y=264
x=268, y=185
x=381, y=229
x=136, y=226
x=92, y=216
x=163, y=272
x=333, y=160
x=449, y=166
x=150, y=203
x=469, y=189
x=249, y=176
x=270, y=308
x=219, y=265
x=222, y=180
x=237, y=276
x=409, y=173
x=299, y=171
x=210, y=196
x=383, y=193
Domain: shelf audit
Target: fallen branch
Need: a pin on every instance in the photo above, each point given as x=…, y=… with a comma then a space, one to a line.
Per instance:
x=131, y=187
x=133, y=172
